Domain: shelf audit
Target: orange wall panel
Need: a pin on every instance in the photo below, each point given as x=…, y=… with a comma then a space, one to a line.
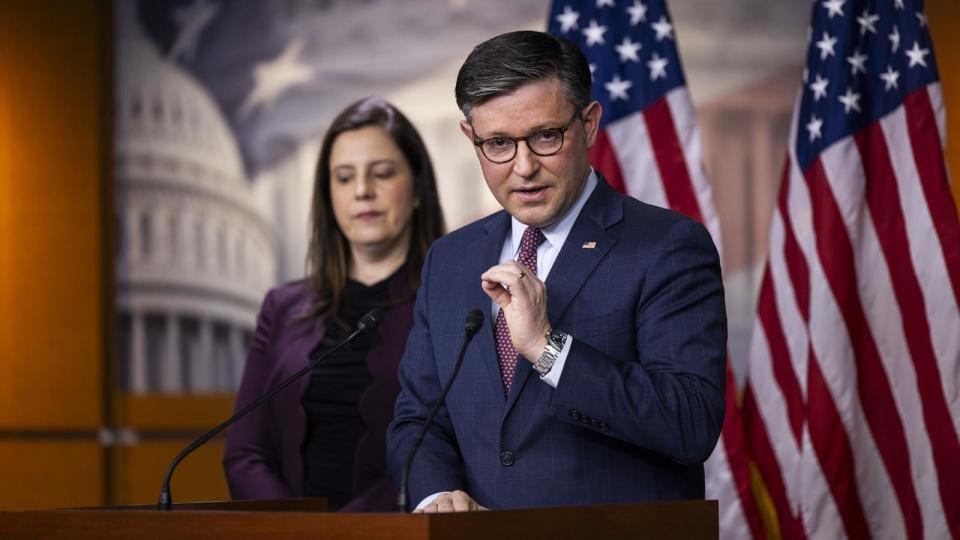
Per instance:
x=45, y=474
x=944, y=16
x=51, y=292
x=165, y=412
x=139, y=472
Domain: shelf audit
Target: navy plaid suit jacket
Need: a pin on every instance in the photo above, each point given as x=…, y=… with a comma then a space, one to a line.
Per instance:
x=640, y=402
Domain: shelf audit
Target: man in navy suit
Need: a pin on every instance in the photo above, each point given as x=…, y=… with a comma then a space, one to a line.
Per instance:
x=599, y=377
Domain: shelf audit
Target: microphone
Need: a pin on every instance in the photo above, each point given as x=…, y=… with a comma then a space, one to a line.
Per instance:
x=473, y=324
x=366, y=323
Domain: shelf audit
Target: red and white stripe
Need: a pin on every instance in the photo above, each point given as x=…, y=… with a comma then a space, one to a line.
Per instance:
x=666, y=170
x=852, y=408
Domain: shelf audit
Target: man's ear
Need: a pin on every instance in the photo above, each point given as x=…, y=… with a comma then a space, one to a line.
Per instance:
x=591, y=121
x=467, y=130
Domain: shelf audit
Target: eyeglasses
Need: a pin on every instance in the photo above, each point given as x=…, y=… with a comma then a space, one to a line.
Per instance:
x=543, y=142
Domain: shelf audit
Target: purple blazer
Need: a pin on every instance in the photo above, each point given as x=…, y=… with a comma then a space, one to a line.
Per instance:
x=263, y=457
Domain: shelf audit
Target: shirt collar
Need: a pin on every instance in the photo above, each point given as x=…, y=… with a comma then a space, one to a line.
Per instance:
x=556, y=234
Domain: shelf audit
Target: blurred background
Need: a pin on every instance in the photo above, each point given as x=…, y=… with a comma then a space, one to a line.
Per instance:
x=156, y=163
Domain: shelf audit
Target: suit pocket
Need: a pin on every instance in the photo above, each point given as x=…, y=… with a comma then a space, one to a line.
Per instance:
x=608, y=323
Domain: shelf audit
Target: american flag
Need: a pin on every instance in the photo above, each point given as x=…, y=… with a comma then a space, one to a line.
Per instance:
x=649, y=148
x=852, y=406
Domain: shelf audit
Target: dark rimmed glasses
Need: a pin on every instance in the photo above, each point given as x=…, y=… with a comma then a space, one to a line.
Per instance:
x=543, y=142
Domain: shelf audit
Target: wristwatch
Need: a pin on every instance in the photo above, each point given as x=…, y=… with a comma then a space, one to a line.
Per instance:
x=555, y=342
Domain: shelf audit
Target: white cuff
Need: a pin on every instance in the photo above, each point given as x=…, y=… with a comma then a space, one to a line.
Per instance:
x=429, y=499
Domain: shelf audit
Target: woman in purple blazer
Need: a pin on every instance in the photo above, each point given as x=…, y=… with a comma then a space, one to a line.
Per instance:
x=375, y=212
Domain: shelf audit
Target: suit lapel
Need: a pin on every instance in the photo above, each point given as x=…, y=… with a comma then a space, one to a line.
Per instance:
x=485, y=255
x=586, y=245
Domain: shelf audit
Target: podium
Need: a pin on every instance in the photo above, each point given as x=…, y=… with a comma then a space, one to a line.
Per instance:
x=302, y=519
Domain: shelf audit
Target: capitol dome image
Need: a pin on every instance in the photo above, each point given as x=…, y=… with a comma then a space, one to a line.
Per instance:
x=196, y=249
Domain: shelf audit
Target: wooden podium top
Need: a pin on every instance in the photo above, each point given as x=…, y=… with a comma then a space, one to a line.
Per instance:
x=682, y=519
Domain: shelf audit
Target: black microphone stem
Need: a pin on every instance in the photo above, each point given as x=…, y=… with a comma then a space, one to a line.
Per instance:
x=474, y=321
x=165, y=502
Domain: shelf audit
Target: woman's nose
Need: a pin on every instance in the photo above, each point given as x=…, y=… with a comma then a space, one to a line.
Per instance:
x=364, y=188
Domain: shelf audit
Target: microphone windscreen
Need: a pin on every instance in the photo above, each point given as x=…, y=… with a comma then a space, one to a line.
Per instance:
x=474, y=320
x=371, y=320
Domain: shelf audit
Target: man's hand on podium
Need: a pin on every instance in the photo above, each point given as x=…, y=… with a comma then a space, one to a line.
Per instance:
x=451, y=501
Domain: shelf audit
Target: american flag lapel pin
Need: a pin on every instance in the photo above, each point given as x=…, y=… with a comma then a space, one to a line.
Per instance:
x=589, y=245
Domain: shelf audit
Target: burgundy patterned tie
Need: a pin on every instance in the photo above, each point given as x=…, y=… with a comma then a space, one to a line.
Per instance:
x=532, y=238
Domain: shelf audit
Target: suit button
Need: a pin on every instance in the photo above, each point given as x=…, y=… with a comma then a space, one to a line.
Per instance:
x=604, y=426
x=506, y=458
x=575, y=416
x=594, y=424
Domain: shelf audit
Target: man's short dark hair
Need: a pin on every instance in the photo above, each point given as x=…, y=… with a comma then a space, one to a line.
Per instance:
x=506, y=62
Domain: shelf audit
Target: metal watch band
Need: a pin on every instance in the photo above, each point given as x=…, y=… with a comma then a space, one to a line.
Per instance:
x=555, y=342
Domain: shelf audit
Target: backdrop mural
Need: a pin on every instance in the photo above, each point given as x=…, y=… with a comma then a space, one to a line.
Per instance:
x=220, y=107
